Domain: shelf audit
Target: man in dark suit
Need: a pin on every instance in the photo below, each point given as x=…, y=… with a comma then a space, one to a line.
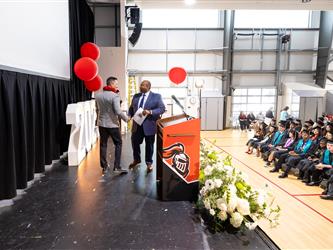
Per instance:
x=153, y=107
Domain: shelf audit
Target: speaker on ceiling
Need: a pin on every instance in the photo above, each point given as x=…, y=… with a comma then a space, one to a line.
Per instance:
x=136, y=34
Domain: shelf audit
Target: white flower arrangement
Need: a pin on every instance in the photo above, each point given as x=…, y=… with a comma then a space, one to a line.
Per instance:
x=227, y=197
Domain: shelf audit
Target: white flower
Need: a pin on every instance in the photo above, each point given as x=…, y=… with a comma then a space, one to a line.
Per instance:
x=250, y=225
x=208, y=170
x=223, y=215
x=207, y=204
x=203, y=191
x=221, y=204
x=209, y=185
x=220, y=168
x=243, y=207
x=236, y=220
x=232, y=204
x=261, y=198
x=218, y=182
x=228, y=168
x=232, y=189
x=212, y=211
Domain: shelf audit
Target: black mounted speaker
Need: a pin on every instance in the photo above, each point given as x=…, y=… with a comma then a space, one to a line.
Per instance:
x=136, y=34
x=134, y=15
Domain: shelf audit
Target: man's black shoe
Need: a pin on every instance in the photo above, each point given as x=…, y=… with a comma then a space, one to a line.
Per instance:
x=312, y=184
x=105, y=170
x=134, y=164
x=284, y=175
x=120, y=171
x=327, y=197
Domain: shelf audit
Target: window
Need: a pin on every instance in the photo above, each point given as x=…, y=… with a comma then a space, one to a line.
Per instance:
x=173, y=18
x=272, y=18
x=252, y=100
x=294, y=109
x=107, y=25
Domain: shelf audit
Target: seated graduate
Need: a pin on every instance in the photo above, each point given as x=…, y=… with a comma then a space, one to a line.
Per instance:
x=258, y=136
x=287, y=146
x=316, y=135
x=314, y=157
x=292, y=158
x=328, y=192
x=279, y=139
x=266, y=141
x=319, y=171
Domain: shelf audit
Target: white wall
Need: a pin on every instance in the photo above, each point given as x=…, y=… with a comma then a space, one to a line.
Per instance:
x=35, y=37
x=113, y=60
x=329, y=102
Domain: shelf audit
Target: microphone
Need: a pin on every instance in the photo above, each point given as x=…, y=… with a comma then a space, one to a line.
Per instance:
x=177, y=101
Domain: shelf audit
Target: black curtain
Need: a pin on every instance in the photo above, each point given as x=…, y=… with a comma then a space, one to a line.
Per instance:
x=33, y=128
x=81, y=26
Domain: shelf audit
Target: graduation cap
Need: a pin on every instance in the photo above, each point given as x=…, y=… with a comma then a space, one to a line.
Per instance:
x=318, y=123
x=309, y=122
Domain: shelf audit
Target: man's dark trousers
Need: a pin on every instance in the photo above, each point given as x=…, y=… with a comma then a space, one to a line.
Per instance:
x=137, y=139
x=105, y=133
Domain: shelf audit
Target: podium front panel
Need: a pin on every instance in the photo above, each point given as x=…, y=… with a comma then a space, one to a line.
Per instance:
x=178, y=160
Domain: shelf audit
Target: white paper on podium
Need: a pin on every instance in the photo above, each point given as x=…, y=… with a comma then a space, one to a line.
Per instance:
x=138, y=117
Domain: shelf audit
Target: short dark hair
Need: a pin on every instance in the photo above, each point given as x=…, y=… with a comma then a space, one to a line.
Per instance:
x=110, y=80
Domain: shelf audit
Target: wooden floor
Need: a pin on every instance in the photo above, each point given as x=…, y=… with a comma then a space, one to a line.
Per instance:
x=306, y=220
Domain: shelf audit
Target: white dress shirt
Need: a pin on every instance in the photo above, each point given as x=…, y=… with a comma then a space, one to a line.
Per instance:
x=144, y=101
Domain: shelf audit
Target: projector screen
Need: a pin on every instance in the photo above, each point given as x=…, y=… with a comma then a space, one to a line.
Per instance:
x=34, y=37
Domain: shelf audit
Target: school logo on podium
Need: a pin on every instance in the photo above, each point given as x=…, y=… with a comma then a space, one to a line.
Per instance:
x=177, y=158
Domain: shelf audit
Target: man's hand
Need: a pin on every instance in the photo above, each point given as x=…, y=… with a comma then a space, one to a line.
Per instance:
x=146, y=112
x=292, y=153
x=319, y=166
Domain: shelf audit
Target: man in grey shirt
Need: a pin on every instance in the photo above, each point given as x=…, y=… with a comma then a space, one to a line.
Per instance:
x=108, y=113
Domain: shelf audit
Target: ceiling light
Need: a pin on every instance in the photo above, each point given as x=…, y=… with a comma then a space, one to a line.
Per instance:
x=189, y=2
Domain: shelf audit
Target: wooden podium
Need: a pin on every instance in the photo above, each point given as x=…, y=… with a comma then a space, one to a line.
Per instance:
x=178, y=158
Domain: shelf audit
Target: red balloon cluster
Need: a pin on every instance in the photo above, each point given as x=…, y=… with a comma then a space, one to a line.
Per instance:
x=86, y=68
x=177, y=75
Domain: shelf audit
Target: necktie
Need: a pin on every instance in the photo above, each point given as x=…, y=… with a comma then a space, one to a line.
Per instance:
x=142, y=101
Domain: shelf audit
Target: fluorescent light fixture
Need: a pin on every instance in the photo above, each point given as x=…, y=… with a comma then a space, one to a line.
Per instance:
x=189, y=2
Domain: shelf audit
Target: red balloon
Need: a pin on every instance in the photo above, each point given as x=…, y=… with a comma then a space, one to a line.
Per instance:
x=177, y=75
x=95, y=84
x=86, y=68
x=90, y=50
